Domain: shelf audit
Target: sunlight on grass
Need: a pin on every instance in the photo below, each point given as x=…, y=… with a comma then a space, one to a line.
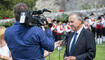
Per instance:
x=100, y=53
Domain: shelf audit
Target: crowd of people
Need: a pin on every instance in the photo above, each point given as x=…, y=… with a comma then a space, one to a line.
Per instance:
x=91, y=23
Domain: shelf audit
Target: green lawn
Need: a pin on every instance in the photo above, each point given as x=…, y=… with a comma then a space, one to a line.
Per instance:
x=100, y=53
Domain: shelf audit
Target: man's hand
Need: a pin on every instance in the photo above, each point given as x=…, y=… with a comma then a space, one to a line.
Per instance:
x=49, y=21
x=58, y=43
x=70, y=58
x=46, y=53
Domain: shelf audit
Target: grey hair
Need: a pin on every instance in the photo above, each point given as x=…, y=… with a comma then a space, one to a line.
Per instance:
x=78, y=16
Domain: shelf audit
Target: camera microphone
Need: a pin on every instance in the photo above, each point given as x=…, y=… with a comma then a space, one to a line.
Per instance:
x=42, y=11
x=46, y=10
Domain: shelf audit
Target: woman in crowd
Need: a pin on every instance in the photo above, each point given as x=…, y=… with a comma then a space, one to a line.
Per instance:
x=4, y=51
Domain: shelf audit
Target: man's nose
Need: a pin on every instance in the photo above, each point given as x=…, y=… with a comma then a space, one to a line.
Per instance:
x=70, y=24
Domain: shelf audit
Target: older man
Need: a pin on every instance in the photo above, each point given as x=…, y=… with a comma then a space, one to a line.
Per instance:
x=80, y=44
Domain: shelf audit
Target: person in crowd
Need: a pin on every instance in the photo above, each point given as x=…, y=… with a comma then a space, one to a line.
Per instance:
x=86, y=24
x=104, y=29
x=102, y=18
x=26, y=42
x=92, y=17
x=80, y=44
x=99, y=31
x=59, y=30
x=92, y=21
x=53, y=28
x=67, y=27
x=103, y=32
x=4, y=50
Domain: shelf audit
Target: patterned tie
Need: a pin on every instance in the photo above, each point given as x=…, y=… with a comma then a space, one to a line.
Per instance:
x=73, y=43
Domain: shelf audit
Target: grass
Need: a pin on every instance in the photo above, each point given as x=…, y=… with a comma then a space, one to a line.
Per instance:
x=55, y=54
x=100, y=53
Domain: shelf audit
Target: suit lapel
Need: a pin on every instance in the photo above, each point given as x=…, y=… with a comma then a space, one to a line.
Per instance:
x=79, y=38
x=68, y=43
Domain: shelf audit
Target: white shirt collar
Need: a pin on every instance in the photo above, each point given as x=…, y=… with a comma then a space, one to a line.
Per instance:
x=79, y=31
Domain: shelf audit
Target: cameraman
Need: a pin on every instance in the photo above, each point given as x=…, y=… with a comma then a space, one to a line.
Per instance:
x=26, y=43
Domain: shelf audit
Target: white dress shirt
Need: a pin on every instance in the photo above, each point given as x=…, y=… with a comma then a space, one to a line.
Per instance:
x=79, y=31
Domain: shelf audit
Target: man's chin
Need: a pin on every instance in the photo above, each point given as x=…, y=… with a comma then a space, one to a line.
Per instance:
x=73, y=29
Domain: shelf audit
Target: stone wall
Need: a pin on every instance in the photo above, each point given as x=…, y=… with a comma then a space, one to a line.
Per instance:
x=53, y=5
x=69, y=5
x=83, y=4
x=97, y=12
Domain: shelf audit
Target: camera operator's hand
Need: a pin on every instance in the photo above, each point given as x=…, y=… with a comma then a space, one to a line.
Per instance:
x=46, y=26
x=49, y=21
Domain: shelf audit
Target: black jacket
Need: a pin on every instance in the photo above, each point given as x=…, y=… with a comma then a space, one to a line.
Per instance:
x=85, y=47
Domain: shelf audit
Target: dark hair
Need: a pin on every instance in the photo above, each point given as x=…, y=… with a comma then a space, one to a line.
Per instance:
x=86, y=18
x=18, y=8
x=102, y=15
x=66, y=21
x=53, y=20
x=58, y=21
x=91, y=14
x=99, y=18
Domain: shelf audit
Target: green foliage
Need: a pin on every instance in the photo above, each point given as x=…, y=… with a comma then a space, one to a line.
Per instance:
x=7, y=24
x=30, y=3
x=6, y=6
x=63, y=17
x=6, y=13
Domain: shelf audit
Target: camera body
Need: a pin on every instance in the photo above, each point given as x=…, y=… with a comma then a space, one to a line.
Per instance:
x=32, y=18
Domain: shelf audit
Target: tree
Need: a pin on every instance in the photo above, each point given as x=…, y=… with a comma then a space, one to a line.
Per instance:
x=6, y=6
x=63, y=17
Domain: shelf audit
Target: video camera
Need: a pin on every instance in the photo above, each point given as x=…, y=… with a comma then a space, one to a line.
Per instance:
x=32, y=18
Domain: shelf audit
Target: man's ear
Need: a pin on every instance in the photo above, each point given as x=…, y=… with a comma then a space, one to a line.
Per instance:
x=81, y=22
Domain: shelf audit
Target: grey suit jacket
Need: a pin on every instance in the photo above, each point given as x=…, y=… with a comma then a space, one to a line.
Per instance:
x=85, y=47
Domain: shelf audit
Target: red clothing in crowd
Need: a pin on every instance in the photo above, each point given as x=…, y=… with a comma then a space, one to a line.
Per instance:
x=99, y=26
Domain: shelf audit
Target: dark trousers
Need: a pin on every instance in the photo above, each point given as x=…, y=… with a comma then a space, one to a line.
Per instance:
x=103, y=31
x=99, y=33
x=93, y=30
